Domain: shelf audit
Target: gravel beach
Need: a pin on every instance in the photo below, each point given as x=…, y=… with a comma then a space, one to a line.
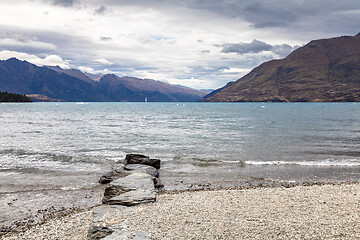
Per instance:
x=302, y=212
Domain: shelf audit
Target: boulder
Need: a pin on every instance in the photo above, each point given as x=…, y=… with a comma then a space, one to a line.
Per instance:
x=140, y=167
x=134, y=197
x=135, y=181
x=114, y=174
x=99, y=232
x=142, y=159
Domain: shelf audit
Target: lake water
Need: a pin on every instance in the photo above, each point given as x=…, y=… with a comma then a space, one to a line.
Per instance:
x=281, y=141
x=52, y=154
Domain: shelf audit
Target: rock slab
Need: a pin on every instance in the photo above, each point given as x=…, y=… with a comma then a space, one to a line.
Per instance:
x=142, y=159
x=145, y=168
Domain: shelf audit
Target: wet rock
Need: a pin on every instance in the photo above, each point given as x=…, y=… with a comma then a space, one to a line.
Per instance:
x=140, y=167
x=134, y=197
x=135, y=181
x=114, y=174
x=142, y=159
x=158, y=184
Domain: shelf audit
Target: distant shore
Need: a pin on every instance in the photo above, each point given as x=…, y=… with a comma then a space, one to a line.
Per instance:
x=302, y=212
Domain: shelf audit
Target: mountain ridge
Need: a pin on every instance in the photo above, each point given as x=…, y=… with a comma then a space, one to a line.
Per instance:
x=73, y=85
x=324, y=70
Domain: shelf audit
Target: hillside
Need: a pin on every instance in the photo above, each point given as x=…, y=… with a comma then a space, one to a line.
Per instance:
x=326, y=70
x=72, y=85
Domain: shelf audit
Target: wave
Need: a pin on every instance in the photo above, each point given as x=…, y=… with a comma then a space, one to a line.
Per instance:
x=321, y=163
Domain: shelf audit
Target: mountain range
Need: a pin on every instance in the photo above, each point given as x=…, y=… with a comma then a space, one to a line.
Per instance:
x=325, y=70
x=72, y=85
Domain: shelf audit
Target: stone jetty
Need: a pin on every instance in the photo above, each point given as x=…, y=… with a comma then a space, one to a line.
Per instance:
x=135, y=182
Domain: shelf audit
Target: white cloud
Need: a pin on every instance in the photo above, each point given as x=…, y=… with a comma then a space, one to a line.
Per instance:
x=50, y=60
x=103, y=61
x=93, y=71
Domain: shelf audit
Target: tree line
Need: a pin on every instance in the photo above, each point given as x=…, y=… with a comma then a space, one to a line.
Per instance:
x=13, y=97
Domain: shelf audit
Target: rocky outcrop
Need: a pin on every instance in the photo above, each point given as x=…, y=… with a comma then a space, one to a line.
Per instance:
x=128, y=186
x=116, y=173
x=142, y=159
x=143, y=168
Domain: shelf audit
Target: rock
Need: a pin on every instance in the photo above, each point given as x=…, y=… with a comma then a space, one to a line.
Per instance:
x=98, y=232
x=134, y=197
x=140, y=167
x=105, y=214
x=158, y=184
x=135, y=181
x=142, y=159
x=108, y=223
x=128, y=236
x=114, y=174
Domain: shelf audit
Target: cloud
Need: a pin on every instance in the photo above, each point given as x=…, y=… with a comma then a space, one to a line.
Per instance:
x=100, y=11
x=103, y=61
x=63, y=3
x=254, y=47
x=18, y=42
x=102, y=38
x=50, y=60
x=257, y=47
x=93, y=71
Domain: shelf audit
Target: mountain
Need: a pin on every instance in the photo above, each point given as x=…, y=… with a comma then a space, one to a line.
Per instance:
x=326, y=70
x=72, y=85
x=23, y=77
x=136, y=90
x=73, y=73
x=95, y=77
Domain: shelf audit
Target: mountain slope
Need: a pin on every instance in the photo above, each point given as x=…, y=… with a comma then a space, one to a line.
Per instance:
x=322, y=71
x=136, y=90
x=25, y=78
x=72, y=85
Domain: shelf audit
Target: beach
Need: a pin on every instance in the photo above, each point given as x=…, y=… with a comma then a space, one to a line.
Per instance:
x=302, y=212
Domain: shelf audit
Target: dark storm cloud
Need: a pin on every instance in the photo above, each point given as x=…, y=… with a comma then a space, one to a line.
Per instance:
x=305, y=15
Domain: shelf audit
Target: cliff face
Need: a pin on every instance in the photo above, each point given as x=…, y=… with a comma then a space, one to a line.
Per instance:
x=326, y=70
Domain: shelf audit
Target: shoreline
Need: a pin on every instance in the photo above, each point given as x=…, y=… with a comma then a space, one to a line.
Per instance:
x=64, y=227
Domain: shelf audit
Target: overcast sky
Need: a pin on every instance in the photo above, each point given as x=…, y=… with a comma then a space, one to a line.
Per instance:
x=195, y=43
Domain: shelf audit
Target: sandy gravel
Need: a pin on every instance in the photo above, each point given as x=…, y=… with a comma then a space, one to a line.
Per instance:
x=315, y=212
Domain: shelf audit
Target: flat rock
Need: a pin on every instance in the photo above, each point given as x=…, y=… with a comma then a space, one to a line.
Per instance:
x=108, y=213
x=135, y=181
x=142, y=159
x=128, y=236
x=99, y=232
x=114, y=174
x=134, y=197
x=140, y=167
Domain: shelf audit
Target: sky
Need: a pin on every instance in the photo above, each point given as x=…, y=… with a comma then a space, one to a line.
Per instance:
x=202, y=44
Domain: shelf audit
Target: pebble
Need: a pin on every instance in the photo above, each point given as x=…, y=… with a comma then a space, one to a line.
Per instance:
x=261, y=213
